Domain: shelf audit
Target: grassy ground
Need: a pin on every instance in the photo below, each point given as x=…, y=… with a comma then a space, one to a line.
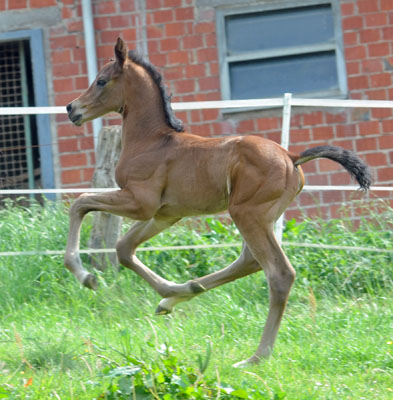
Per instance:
x=60, y=341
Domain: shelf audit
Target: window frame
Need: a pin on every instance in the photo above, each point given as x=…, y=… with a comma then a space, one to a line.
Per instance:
x=37, y=53
x=335, y=45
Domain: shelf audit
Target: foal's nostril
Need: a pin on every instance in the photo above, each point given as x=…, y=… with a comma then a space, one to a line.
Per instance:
x=69, y=107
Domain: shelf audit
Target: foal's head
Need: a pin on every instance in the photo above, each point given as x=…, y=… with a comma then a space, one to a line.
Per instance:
x=105, y=94
x=127, y=84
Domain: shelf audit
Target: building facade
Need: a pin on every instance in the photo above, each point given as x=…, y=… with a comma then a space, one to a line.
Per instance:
x=206, y=50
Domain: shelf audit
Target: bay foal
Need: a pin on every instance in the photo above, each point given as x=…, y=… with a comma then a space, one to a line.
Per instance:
x=165, y=174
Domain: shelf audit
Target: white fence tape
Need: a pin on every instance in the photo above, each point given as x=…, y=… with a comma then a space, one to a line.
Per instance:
x=103, y=190
x=195, y=247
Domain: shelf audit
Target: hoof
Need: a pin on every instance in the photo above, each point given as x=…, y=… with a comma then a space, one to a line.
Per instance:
x=162, y=311
x=196, y=287
x=246, y=363
x=90, y=282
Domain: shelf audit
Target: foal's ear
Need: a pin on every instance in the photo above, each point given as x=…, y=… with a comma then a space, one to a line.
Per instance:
x=120, y=52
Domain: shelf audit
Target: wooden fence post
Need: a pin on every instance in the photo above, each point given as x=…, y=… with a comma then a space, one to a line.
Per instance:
x=106, y=227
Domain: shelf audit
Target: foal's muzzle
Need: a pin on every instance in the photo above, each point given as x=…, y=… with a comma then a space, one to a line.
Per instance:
x=73, y=115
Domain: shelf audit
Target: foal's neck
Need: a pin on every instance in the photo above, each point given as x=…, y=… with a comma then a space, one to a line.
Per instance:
x=144, y=118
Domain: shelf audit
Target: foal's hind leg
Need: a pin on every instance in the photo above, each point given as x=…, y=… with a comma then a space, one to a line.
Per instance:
x=244, y=265
x=279, y=272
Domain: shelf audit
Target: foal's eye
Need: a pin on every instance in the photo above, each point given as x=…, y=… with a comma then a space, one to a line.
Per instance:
x=101, y=83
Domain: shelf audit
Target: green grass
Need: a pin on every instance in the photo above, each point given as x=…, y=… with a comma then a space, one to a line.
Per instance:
x=58, y=340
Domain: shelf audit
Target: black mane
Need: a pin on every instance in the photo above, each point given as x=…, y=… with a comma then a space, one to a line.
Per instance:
x=170, y=117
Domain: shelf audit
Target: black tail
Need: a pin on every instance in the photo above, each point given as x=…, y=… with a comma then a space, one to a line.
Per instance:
x=349, y=160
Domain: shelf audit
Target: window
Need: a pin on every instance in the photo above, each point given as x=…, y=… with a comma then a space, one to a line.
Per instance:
x=19, y=159
x=268, y=50
x=25, y=141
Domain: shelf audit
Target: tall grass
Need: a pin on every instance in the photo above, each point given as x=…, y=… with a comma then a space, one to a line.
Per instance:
x=58, y=340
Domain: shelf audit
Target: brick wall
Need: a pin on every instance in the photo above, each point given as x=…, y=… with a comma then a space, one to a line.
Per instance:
x=181, y=41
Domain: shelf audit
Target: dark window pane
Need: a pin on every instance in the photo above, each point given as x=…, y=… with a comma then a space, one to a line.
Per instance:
x=280, y=28
x=274, y=76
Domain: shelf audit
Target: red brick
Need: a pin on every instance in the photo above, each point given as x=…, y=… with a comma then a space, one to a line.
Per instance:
x=210, y=115
x=345, y=130
x=381, y=113
x=110, y=36
x=355, y=53
x=314, y=118
x=183, y=14
x=154, y=31
x=210, y=83
x=211, y=39
x=267, y=124
x=71, y=176
x=386, y=5
x=247, y=126
x=376, y=94
x=375, y=159
x=73, y=160
x=358, y=82
x=353, y=68
x=369, y=35
x=366, y=144
x=178, y=57
x=368, y=6
x=336, y=118
x=153, y=4
x=385, y=174
x=328, y=165
x=169, y=44
x=379, y=19
x=347, y=9
x=387, y=33
x=184, y=86
x=86, y=142
x=67, y=42
x=381, y=80
x=105, y=7
x=162, y=16
x=195, y=70
x=159, y=59
x=340, y=178
x=40, y=3
x=385, y=142
x=322, y=133
x=175, y=29
x=204, y=55
x=300, y=135
x=16, y=4
x=64, y=98
x=120, y=21
x=61, y=56
x=172, y=3
x=378, y=49
x=81, y=83
x=126, y=6
x=75, y=26
x=87, y=174
x=387, y=127
x=65, y=70
x=68, y=145
x=205, y=27
x=353, y=22
x=351, y=38
x=223, y=128
x=63, y=85
x=368, y=127
x=372, y=66
x=192, y=42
